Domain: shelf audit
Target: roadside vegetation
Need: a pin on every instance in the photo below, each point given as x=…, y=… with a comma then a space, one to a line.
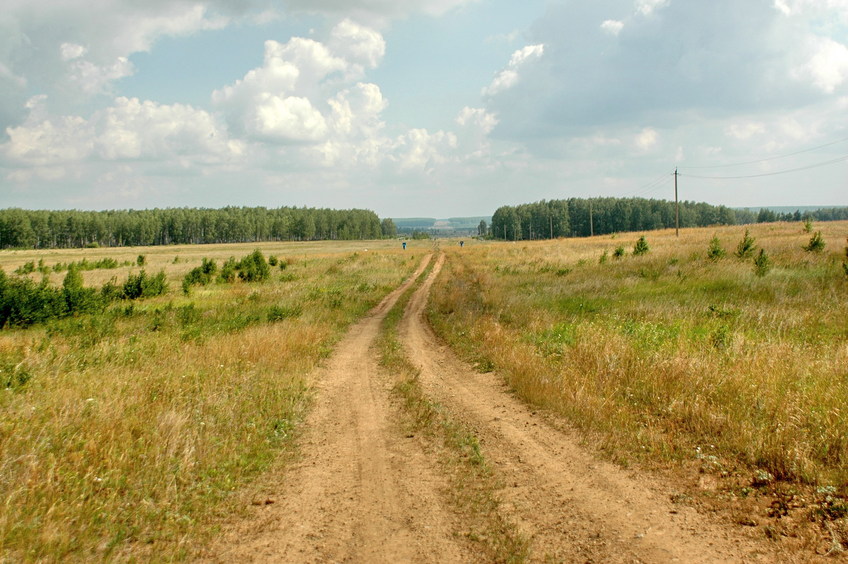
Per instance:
x=125, y=428
x=677, y=350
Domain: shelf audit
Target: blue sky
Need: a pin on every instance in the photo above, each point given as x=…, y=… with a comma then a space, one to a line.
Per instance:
x=421, y=108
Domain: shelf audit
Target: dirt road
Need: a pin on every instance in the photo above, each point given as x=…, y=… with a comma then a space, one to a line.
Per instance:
x=362, y=492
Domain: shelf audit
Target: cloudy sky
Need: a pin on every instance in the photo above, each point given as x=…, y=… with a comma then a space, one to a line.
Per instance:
x=421, y=107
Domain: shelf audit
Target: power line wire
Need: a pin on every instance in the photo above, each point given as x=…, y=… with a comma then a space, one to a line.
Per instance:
x=651, y=186
x=775, y=173
x=769, y=158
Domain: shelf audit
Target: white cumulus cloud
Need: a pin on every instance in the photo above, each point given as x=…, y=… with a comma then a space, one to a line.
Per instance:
x=647, y=139
x=648, y=7
x=305, y=88
x=613, y=27
x=128, y=130
x=509, y=77
x=827, y=65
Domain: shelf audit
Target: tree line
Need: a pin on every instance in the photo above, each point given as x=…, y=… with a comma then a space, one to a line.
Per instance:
x=580, y=217
x=40, y=229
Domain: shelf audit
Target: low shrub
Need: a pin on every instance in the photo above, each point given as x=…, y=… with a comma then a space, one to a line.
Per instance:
x=816, y=244
x=228, y=271
x=200, y=276
x=746, y=247
x=279, y=313
x=762, y=264
x=641, y=247
x=715, y=250
x=142, y=285
x=254, y=267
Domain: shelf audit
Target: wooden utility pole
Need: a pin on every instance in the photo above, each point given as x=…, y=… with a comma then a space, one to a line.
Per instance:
x=676, y=207
x=551, y=220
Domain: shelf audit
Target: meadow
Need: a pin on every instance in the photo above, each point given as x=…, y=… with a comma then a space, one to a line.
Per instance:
x=124, y=433
x=127, y=434
x=671, y=355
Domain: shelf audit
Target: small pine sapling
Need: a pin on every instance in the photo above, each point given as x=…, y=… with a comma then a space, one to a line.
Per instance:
x=808, y=225
x=619, y=252
x=715, y=250
x=762, y=263
x=746, y=247
x=816, y=244
x=641, y=247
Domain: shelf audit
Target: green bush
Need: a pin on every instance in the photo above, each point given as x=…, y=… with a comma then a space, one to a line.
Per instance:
x=816, y=244
x=254, y=268
x=78, y=298
x=24, y=303
x=143, y=286
x=228, y=271
x=26, y=268
x=278, y=313
x=746, y=247
x=762, y=264
x=201, y=275
x=619, y=252
x=641, y=247
x=715, y=250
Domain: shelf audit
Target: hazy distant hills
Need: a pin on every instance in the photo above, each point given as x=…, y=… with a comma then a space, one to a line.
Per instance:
x=450, y=225
x=789, y=209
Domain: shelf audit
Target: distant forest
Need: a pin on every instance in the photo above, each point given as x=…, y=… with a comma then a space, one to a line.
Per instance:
x=577, y=217
x=41, y=229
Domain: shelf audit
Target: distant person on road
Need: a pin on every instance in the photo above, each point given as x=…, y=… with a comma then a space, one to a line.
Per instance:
x=404, y=245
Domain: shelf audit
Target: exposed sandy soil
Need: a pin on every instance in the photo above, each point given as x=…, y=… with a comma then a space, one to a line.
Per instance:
x=361, y=491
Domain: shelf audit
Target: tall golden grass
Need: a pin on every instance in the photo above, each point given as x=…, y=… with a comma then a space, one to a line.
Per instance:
x=135, y=425
x=669, y=355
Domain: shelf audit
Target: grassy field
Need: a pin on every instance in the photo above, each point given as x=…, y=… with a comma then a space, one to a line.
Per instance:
x=670, y=355
x=123, y=433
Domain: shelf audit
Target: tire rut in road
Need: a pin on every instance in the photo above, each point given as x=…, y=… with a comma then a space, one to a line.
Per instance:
x=571, y=506
x=359, y=491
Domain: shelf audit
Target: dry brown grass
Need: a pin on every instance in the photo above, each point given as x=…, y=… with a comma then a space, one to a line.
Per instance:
x=670, y=356
x=136, y=424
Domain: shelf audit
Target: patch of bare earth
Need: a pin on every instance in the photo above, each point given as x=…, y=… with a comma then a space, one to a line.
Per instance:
x=572, y=507
x=360, y=490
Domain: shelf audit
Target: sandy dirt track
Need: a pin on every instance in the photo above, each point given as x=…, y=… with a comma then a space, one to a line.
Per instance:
x=573, y=507
x=361, y=491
